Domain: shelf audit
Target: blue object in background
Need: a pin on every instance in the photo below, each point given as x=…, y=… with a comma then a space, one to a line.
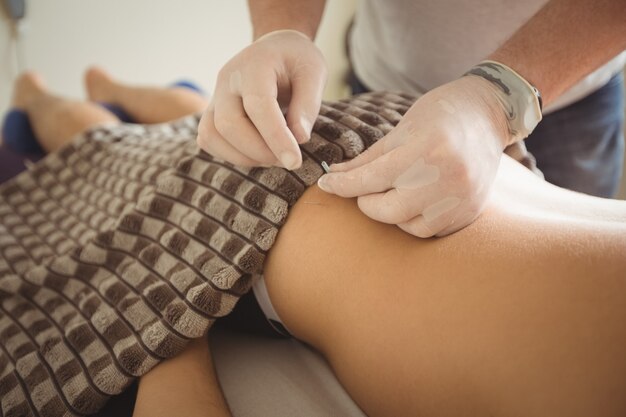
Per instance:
x=189, y=85
x=17, y=133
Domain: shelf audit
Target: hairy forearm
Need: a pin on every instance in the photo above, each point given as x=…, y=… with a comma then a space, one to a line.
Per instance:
x=564, y=41
x=300, y=15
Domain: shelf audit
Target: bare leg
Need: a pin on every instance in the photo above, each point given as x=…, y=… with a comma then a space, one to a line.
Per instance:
x=521, y=313
x=185, y=385
x=55, y=120
x=144, y=104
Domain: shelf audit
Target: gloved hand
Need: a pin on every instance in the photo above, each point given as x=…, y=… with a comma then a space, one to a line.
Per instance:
x=244, y=123
x=432, y=173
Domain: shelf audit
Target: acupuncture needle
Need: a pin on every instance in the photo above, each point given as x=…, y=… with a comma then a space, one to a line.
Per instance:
x=326, y=169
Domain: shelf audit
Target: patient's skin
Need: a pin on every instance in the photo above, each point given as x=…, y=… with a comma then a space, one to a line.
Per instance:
x=521, y=313
x=55, y=120
x=185, y=385
x=146, y=105
x=143, y=103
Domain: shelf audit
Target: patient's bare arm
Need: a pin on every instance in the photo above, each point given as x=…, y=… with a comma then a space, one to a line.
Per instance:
x=520, y=313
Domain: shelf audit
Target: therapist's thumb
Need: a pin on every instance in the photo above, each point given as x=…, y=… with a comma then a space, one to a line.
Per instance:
x=307, y=87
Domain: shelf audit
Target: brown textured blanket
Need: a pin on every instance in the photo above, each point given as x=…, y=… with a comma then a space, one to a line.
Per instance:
x=122, y=246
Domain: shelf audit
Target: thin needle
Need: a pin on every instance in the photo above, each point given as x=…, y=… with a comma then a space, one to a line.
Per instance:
x=325, y=167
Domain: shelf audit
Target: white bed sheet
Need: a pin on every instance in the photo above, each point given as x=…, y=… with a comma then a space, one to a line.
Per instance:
x=277, y=377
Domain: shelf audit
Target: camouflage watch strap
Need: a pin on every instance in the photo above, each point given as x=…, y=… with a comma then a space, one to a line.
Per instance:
x=520, y=99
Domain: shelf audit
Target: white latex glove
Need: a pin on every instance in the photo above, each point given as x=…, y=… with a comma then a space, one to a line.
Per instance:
x=244, y=123
x=432, y=173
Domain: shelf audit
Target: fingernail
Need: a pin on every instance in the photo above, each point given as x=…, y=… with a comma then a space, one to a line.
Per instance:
x=323, y=183
x=288, y=159
x=306, y=126
x=303, y=131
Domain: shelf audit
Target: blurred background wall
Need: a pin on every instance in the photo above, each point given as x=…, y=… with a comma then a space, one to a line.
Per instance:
x=148, y=42
x=145, y=41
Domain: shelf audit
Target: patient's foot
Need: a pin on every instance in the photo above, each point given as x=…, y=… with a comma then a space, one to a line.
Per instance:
x=100, y=86
x=142, y=104
x=28, y=87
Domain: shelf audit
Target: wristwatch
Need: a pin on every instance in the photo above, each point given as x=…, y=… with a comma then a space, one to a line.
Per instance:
x=520, y=99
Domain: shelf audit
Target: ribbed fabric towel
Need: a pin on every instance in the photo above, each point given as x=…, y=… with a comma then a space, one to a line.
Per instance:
x=122, y=246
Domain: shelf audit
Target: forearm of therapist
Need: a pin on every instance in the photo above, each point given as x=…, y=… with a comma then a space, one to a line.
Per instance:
x=564, y=41
x=301, y=15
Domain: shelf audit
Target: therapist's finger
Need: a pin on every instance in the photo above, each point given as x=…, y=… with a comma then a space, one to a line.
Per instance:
x=417, y=226
x=394, y=139
x=374, y=177
x=214, y=144
x=392, y=206
x=307, y=87
x=462, y=220
x=233, y=125
x=436, y=218
x=367, y=156
x=420, y=227
x=261, y=106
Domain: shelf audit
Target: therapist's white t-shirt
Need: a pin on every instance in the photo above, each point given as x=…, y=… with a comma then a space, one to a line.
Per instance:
x=415, y=46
